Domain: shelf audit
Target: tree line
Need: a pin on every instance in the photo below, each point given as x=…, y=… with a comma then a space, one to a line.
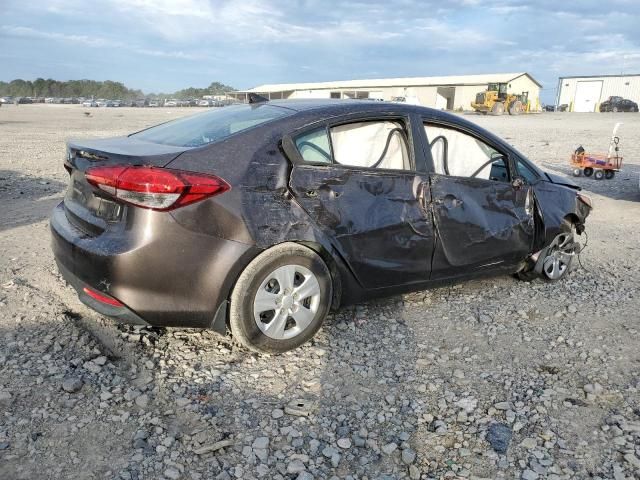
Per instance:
x=91, y=88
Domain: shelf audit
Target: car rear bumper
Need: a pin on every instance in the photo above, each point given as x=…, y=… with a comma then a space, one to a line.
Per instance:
x=120, y=314
x=163, y=274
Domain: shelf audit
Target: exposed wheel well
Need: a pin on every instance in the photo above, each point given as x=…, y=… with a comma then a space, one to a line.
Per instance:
x=333, y=269
x=573, y=219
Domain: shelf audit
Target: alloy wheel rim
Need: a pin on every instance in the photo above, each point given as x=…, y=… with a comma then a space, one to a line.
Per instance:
x=559, y=257
x=286, y=302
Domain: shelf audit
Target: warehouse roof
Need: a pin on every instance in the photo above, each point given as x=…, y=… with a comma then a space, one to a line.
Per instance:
x=392, y=82
x=603, y=76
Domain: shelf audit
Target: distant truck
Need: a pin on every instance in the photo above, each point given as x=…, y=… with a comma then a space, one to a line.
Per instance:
x=495, y=100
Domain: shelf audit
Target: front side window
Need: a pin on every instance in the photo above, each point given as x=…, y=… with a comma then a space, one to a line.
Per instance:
x=458, y=154
x=527, y=173
x=212, y=126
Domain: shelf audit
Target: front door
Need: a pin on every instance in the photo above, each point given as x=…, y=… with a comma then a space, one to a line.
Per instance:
x=483, y=218
x=358, y=183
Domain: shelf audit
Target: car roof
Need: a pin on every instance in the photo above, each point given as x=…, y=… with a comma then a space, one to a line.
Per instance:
x=301, y=105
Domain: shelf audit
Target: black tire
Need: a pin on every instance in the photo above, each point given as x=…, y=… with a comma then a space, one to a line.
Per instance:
x=527, y=275
x=497, y=109
x=244, y=327
x=598, y=174
x=609, y=174
x=588, y=171
x=515, y=108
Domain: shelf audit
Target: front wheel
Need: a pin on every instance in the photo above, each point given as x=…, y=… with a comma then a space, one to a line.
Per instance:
x=515, y=108
x=557, y=258
x=498, y=108
x=280, y=299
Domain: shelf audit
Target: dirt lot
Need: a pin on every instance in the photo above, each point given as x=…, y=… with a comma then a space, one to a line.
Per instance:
x=493, y=379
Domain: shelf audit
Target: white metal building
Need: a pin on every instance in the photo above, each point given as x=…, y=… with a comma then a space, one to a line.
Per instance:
x=448, y=93
x=584, y=94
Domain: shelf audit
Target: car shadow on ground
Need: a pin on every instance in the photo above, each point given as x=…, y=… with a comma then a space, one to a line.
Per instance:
x=27, y=199
x=343, y=397
x=624, y=185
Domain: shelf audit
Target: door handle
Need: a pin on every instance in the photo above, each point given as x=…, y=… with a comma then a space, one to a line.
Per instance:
x=449, y=201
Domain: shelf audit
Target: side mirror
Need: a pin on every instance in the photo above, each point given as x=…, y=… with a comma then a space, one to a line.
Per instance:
x=517, y=183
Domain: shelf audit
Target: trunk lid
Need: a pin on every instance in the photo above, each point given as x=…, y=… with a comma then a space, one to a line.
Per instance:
x=88, y=208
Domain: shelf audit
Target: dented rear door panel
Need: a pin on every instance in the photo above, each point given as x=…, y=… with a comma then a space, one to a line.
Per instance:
x=480, y=224
x=377, y=219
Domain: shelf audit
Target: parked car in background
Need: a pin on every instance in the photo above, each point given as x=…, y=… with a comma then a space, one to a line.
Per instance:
x=618, y=104
x=7, y=99
x=22, y=100
x=154, y=103
x=549, y=108
x=409, y=100
x=89, y=103
x=171, y=103
x=205, y=103
x=141, y=102
x=306, y=206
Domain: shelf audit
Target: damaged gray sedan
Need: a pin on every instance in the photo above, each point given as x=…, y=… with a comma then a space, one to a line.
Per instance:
x=262, y=218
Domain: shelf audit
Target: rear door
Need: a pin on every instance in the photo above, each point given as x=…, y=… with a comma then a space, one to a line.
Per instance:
x=483, y=213
x=358, y=182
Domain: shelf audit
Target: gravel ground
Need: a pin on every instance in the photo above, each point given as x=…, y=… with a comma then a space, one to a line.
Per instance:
x=491, y=379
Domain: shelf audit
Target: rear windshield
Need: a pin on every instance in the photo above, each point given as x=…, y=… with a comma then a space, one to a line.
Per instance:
x=212, y=126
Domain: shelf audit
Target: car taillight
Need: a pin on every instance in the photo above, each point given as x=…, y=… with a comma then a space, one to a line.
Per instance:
x=155, y=188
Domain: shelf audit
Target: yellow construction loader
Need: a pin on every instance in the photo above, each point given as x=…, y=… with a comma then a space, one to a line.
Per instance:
x=495, y=100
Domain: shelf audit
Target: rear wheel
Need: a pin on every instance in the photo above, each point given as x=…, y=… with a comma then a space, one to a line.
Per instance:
x=588, y=172
x=598, y=174
x=609, y=174
x=498, y=108
x=281, y=299
x=577, y=172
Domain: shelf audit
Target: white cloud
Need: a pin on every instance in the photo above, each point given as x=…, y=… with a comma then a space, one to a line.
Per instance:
x=92, y=41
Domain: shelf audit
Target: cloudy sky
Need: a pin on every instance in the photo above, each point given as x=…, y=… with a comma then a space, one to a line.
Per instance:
x=165, y=45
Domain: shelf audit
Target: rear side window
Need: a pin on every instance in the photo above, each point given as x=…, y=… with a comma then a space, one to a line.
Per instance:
x=314, y=146
x=212, y=126
x=372, y=144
